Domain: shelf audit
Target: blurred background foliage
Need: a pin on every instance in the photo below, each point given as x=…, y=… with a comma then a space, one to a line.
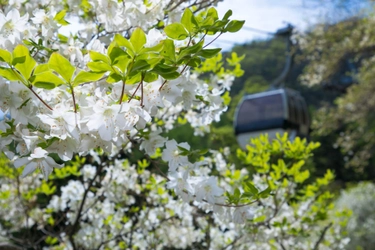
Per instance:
x=334, y=70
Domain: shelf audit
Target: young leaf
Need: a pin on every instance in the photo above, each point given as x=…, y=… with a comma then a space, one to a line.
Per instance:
x=190, y=50
x=250, y=188
x=138, y=39
x=122, y=63
x=234, y=26
x=5, y=56
x=96, y=56
x=46, y=80
x=8, y=74
x=121, y=41
x=99, y=67
x=227, y=15
x=40, y=69
x=169, y=50
x=265, y=193
x=212, y=12
x=114, y=77
x=60, y=18
x=140, y=65
x=150, y=77
x=176, y=31
x=188, y=21
x=84, y=76
x=22, y=61
x=170, y=76
x=208, y=53
x=62, y=66
x=115, y=53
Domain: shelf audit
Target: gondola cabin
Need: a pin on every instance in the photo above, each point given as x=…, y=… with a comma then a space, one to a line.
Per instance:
x=274, y=111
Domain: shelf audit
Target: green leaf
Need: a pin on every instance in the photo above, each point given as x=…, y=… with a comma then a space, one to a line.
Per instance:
x=5, y=56
x=115, y=53
x=165, y=71
x=212, y=12
x=62, y=66
x=150, y=77
x=207, y=22
x=169, y=50
x=41, y=68
x=121, y=41
x=176, y=31
x=114, y=77
x=60, y=18
x=194, y=62
x=62, y=38
x=138, y=39
x=99, y=67
x=265, y=193
x=140, y=65
x=208, y=53
x=8, y=74
x=190, y=50
x=170, y=76
x=182, y=149
x=188, y=21
x=122, y=63
x=250, y=188
x=236, y=195
x=234, y=26
x=260, y=219
x=97, y=57
x=84, y=77
x=157, y=48
x=46, y=80
x=134, y=78
x=227, y=15
x=22, y=61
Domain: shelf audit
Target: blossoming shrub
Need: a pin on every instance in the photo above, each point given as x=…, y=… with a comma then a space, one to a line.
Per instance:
x=361, y=225
x=99, y=202
x=91, y=112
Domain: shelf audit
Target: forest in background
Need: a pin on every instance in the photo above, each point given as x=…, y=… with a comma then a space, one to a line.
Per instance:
x=339, y=53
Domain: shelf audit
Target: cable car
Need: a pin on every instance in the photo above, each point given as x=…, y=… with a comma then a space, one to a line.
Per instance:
x=274, y=111
x=277, y=110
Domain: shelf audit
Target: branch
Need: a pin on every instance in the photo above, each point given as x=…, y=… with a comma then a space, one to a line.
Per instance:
x=316, y=247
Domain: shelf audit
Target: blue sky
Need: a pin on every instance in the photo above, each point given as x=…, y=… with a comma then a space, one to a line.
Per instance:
x=267, y=15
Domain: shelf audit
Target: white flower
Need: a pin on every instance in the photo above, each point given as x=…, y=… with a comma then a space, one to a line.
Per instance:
x=180, y=185
x=172, y=155
x=208, y=189
x=38, y=159
x=153, y=142
x=242, y=214
x=103, y=120
x=63, y=123
x=12, y=25
x=46, y=20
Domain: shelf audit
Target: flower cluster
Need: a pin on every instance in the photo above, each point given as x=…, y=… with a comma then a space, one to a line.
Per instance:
x=90, y=99
x=63, y=96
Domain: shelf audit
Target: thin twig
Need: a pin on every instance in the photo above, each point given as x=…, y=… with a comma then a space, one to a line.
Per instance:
x=122, y=92
x=316, y=247
x=31, y=88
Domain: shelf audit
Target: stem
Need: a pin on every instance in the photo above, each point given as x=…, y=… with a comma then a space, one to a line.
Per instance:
x=141, y=83
x=316, y=247
x=163, y=85
x=142, y=93
x=74, y=99
x=213, y=40
x=31, y=88
x=122, y=91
